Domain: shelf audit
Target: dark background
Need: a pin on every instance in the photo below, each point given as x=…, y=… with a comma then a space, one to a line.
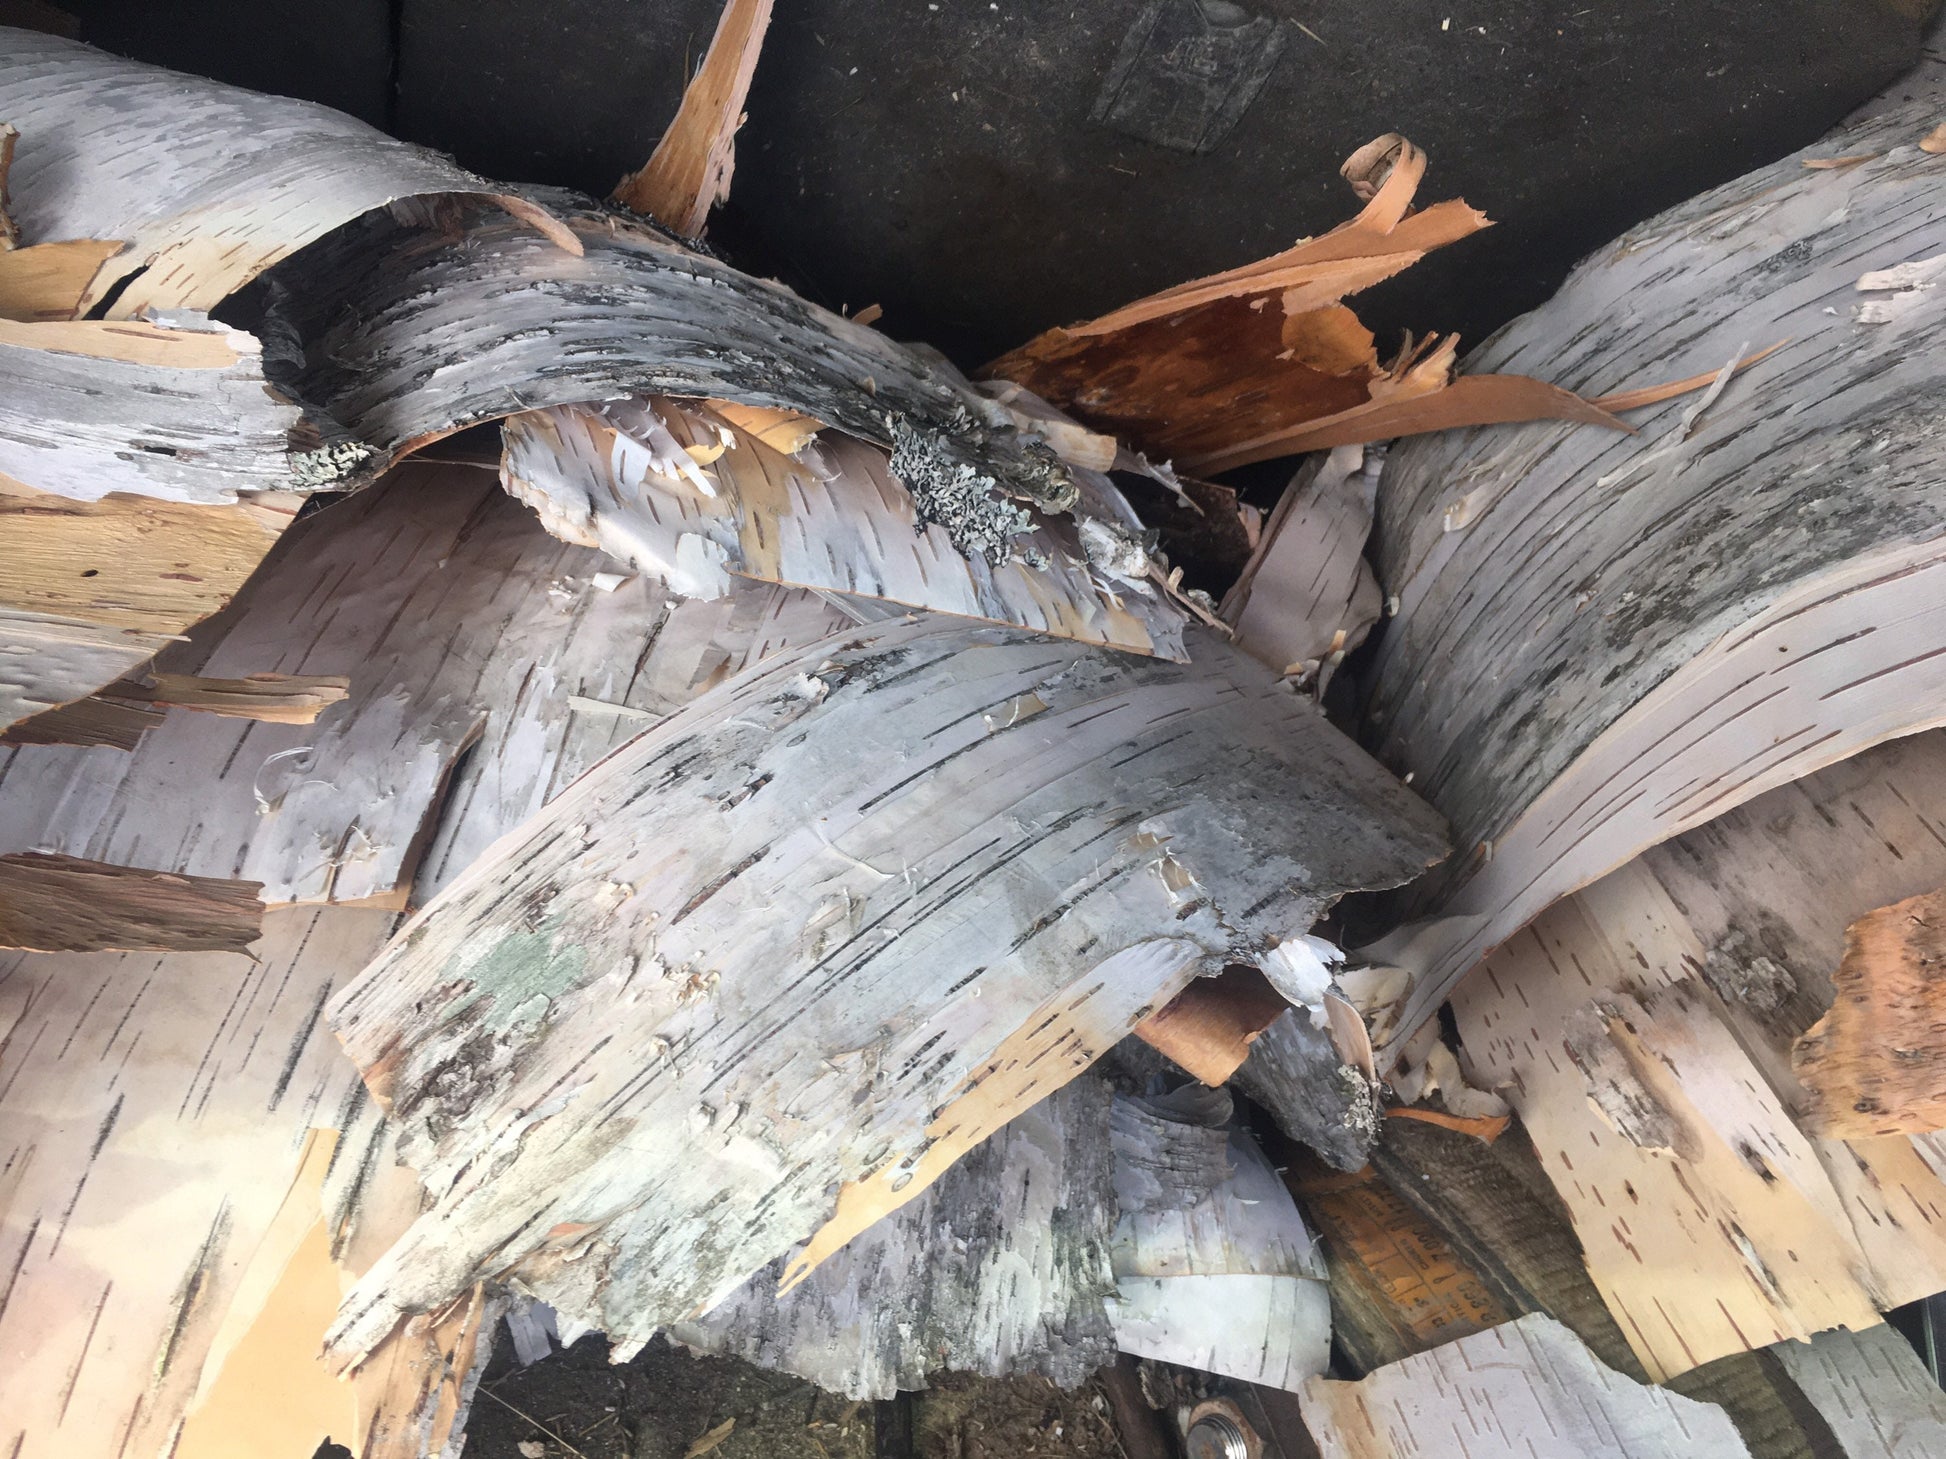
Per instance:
x=980, y=220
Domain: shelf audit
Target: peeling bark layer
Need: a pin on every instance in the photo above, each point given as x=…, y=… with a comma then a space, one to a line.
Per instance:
x=1647, y=1051
x=669, y=491
x=1001, y=1267
x=462, y=627
x=1873, y=1391
x=190, y=1165
x=1603, y=641
x=836, y=874
x=90, y=591
x=180, y=413
x=206, y=185
x=407, y=336
x=1214, y=1268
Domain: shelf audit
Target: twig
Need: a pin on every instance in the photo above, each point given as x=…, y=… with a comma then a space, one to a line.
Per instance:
x=534, y=1421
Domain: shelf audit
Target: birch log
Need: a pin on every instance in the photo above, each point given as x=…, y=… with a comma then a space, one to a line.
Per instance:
x=1002, y=1267
x=191, y=1171
x=839, y=920
x=203, y=185
x=1642, y=1029
x=1527, y=1388
x=1602, y=640
x=462, y=626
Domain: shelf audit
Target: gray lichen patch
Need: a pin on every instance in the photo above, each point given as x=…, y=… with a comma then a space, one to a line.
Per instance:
x=328, y=466
x=1363, y=1115
x=953, y=485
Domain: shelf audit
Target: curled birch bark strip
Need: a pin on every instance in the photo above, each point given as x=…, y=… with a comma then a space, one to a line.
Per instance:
x=842, y=872
x=667, y=490
x=206, y=184
x=405, y=337
x=1602, y=641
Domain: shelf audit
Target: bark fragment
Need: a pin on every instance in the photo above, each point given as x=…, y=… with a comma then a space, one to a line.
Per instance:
x=63, y=904
x=658, y=486
x=1528, y=1387
x=244, y=180
x=689, y=172
x=1724, y=604
x=1874, y=1064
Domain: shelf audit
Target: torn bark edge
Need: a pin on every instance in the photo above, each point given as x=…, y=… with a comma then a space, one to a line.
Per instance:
x=1208, y=1028
x=54, y=903
x=9, y=230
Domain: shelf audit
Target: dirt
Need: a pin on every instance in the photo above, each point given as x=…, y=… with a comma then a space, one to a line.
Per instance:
x=575, y=1405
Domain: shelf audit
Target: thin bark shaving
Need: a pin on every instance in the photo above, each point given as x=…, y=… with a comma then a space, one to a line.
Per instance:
x=959, y=912
x=61, y=904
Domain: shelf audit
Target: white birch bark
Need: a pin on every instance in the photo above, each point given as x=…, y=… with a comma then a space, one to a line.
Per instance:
x=206, y=185
x=462, y=626
x=1214, y=1268
x=838, y=921
x=1001, y=1267
x=1642, y=1030
x=1603, y=640
x=1872, y=1390
x=1529, y=1388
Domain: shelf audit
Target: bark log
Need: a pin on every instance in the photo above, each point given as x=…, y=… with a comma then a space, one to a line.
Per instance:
x=971, y=910
x=401, y=337
x=1604, y=641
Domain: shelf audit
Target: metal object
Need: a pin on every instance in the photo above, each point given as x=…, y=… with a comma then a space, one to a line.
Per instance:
x=1216, y=1436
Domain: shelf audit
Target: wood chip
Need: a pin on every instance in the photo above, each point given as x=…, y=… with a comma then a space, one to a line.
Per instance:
x=711, y=1439
x=689, y=172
